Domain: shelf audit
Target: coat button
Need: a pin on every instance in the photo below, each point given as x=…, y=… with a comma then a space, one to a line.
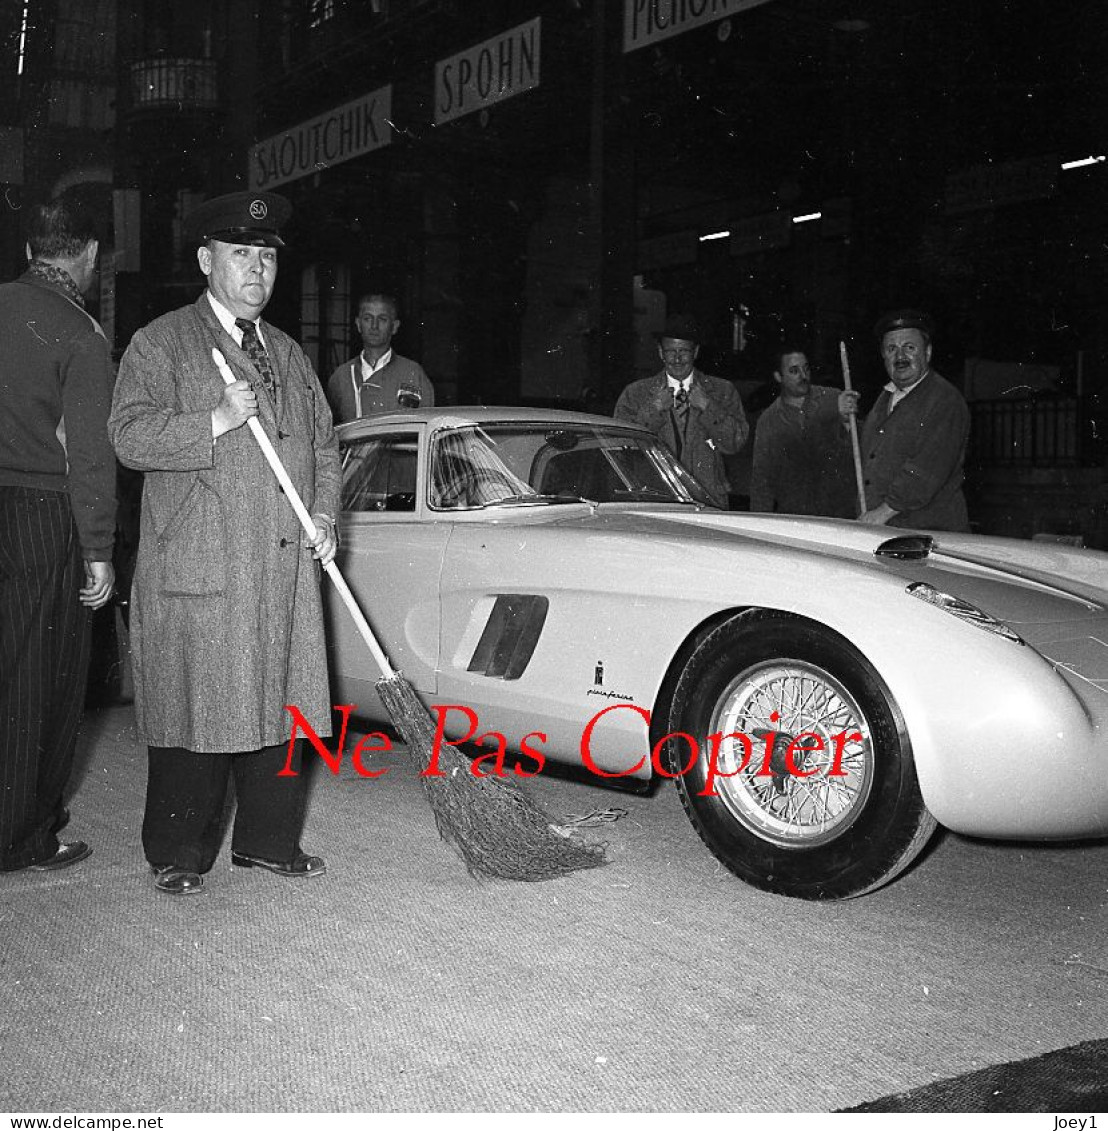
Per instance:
x=283, y=543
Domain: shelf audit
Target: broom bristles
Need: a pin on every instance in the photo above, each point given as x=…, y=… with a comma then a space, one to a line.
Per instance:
x=491, y=823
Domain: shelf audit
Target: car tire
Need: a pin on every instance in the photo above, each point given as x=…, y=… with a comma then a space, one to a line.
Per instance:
x=835, y=818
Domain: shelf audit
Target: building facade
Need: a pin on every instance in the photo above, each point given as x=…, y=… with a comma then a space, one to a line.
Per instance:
x=539, y=181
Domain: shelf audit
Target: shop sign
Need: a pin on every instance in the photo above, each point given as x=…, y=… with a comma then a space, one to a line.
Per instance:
x=648, y=21
x=346, y=132
x=1013, y=182
x=499, y=68
x=761, y=233
x=668, y=251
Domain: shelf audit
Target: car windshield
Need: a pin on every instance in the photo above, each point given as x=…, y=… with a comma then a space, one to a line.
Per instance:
x=539, y=463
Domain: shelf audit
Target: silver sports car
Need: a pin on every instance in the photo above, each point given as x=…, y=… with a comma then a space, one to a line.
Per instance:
x=821, y=692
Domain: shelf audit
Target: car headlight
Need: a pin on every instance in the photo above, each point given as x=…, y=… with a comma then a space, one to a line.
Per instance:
x=963, y=610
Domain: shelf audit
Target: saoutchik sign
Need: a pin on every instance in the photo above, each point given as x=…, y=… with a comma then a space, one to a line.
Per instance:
x=343, y=133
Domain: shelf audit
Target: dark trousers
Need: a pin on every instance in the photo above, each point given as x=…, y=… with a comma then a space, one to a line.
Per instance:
x=44, y=657
x=186, y=795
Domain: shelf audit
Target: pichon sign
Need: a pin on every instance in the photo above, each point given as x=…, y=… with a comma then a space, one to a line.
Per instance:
x=647, y=21
x=347, y=131
x=499, y=68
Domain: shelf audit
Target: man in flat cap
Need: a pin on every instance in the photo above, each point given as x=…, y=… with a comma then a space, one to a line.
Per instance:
x=699, y=418
x=913, y=442
x=226, y=621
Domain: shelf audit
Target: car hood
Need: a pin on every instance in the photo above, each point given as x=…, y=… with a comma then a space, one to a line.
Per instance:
x=1019, y=582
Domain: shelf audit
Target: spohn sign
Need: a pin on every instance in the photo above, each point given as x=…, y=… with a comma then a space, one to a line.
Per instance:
x=499, y=68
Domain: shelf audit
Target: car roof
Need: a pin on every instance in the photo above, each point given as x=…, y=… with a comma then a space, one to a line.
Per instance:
x=457, y=416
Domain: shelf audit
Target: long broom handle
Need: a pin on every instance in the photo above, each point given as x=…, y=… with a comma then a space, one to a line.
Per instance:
x=855, y=447
x=293, y=497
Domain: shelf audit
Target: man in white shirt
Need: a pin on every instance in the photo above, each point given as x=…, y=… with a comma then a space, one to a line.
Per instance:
x=378, y=379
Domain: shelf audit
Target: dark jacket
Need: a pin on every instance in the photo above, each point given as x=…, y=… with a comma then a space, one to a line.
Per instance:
x=380, y=392
x=801, y=465
x=56, y=378
x=912, y=457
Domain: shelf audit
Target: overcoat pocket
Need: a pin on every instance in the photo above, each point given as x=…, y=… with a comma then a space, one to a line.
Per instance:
x=192, y=546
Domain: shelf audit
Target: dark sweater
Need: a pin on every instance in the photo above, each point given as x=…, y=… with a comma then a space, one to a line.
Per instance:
x=56, y=379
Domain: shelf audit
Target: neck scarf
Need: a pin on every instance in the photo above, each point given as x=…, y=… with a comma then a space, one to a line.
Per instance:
x=57, y=277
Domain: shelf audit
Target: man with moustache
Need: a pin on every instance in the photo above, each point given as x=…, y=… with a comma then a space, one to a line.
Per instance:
x=800, y=463
x=698, y=417
x=914, y=439
x=227, y=620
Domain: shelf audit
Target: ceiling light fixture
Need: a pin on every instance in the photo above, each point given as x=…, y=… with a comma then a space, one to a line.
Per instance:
x=1081, y=162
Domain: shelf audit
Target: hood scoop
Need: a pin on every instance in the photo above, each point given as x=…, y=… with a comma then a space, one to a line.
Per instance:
x=906, y=547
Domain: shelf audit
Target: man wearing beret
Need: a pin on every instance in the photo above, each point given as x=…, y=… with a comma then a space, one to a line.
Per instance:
x=699, y=418
x=913, y=442
x=226, y=621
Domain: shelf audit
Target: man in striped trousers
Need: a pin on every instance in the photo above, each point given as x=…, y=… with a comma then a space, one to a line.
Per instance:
x=57, y=525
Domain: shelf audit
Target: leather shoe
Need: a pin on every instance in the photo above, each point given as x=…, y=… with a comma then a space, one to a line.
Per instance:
x=67, y=854
x=178, y=881
x=301, y=864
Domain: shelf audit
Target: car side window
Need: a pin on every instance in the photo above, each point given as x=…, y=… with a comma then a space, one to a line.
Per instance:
x=379, y=473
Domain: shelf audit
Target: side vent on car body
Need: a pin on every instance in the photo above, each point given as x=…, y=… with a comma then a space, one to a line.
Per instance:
x=906, y=547
x=510, y=636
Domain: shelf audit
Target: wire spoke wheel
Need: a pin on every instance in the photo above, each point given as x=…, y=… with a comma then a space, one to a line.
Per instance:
x=803, y=781
x=807, y=796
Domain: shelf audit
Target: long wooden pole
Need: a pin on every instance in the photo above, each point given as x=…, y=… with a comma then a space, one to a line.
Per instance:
x=855, y=447
x=293, y=496
x=496, y=828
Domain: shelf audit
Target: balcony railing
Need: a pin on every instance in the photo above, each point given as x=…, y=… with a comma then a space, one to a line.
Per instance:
x=179, y=84
x=1039, y=432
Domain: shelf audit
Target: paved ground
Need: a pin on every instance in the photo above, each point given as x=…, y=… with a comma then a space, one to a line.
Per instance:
x=396, y=982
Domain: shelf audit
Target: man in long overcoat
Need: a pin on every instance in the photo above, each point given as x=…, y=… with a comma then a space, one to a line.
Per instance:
x=698, y=417
x=226, y=622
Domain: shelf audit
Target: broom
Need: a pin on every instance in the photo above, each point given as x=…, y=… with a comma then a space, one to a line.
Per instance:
x=496, y=829
x=855, y=447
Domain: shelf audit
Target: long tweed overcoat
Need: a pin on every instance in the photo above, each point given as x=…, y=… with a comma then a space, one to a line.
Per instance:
x=226, y=619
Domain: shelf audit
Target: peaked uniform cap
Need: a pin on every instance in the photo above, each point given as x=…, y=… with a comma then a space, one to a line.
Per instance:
x=240, y=217
x=904, y=320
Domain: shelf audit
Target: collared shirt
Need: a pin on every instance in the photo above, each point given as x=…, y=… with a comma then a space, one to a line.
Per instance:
x=674, y=384
x=227, y=321
x=371, y=367
x=897, y=394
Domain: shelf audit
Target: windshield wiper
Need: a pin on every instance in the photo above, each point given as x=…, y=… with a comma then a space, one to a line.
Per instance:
x=538, y=498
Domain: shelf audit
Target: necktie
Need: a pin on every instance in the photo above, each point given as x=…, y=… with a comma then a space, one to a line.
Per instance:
x=254, y=349
x=681, y=402
x=681, y=415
